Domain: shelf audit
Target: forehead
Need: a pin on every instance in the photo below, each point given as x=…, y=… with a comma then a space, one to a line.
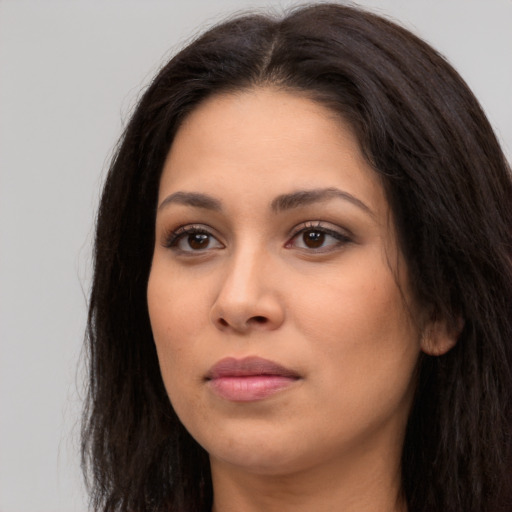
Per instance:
x=265, y=139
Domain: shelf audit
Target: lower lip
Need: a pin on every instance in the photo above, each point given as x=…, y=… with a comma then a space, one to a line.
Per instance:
x=250, y=388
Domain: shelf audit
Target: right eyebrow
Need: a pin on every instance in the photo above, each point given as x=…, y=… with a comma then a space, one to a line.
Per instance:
x=194, y=199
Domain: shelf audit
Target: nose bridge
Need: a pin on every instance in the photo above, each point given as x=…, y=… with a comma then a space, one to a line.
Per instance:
x=248, y=296
x=245, y=275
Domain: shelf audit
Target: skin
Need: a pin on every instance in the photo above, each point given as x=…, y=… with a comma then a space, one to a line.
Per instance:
x=339, y=314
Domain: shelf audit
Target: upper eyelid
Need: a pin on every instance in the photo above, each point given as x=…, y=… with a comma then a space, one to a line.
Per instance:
x=320, y=226
x=198, y=226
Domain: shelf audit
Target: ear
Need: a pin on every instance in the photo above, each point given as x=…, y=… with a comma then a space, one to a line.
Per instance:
x=440, y=336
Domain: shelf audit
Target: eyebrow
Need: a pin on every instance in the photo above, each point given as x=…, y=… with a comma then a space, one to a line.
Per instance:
x=284, y=202
x=194, y=199
x=302, y=198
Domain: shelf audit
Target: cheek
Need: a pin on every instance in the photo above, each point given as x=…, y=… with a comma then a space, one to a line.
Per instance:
x=364, y=299
x=178, y=315
x=365, y=343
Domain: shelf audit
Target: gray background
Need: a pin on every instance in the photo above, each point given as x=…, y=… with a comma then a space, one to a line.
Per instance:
x=70, y=73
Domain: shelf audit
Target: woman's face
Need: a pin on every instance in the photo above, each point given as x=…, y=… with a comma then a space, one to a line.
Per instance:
x=279, y=301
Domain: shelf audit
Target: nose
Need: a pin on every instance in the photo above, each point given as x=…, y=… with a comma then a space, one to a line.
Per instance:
x=249, y=297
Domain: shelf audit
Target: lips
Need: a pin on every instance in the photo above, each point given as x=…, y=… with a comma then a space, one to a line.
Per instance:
x=249, y=379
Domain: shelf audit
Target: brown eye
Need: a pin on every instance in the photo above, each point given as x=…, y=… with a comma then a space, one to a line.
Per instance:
x=313, y=239
x=191, y=239
x=318, y=239
x=198, y=241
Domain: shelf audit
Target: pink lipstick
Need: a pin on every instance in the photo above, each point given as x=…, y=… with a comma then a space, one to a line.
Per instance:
x=249, y=379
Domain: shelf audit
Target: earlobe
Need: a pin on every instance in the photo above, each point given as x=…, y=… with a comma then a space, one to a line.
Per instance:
x=440, y=336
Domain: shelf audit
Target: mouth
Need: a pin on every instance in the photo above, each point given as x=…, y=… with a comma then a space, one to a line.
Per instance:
x=249, y=379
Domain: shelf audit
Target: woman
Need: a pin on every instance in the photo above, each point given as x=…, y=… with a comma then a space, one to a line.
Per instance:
x=303, y=280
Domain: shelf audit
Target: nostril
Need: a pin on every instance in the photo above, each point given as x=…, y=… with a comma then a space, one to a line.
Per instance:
x=242, y=324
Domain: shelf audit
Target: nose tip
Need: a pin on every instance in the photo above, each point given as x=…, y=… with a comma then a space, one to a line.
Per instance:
x=241, y=324
x=248, y=300
x=240, y=319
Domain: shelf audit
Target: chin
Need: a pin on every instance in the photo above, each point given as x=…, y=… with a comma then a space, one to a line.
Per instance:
x=263, y=452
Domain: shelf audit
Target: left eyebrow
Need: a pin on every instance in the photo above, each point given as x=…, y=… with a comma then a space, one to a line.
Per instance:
x=302, y=198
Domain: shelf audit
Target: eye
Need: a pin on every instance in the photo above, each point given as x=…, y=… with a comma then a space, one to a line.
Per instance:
x=192, y=239
x=317, y=238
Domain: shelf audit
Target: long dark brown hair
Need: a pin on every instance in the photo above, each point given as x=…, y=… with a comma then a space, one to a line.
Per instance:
x=450, y=189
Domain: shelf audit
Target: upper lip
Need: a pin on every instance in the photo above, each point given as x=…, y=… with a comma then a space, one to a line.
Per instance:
x=248, y=367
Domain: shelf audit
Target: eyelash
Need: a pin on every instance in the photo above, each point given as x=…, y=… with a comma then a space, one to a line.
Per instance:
x=174, y=237
x=341, y=238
